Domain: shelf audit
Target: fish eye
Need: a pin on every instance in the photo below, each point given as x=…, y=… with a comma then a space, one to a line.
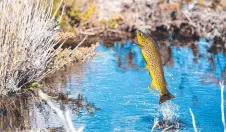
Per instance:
x=141, y=34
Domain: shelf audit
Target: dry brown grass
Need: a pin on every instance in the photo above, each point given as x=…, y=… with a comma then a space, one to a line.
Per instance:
x=26, y=42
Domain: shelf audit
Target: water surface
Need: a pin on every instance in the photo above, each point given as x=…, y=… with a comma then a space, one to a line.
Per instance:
x=118, y=84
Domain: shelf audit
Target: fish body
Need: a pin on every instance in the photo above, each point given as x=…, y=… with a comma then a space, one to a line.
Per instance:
x=154, y=64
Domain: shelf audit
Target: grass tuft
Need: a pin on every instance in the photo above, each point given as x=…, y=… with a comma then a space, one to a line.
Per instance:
x=27, y=30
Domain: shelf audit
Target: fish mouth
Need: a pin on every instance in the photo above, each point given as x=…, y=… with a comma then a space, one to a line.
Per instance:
x=141, y=33
x=138, y=30
x=139, y=37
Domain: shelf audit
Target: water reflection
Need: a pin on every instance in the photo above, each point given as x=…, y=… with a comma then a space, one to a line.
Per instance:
x=186, y=59
x=14, y=113
x=23, y=112
x=118, y=84
x=20, y=112
x=218, y=70
x=126, y=56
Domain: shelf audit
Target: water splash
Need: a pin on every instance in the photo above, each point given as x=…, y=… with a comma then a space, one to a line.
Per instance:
x=167, y=118
x=156, y=120
x=169, y=111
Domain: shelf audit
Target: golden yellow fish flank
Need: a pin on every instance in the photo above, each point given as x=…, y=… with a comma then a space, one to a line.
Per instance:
x=152, y=58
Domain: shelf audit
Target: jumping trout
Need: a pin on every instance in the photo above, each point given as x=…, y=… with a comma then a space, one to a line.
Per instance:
x=153, y=60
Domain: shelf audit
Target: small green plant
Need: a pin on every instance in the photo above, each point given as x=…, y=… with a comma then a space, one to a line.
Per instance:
x=34, y=85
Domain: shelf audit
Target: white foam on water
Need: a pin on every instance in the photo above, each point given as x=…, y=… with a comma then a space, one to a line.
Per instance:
x=156, y=121
x=167, y=117
x=169, y=111
x=167, y=128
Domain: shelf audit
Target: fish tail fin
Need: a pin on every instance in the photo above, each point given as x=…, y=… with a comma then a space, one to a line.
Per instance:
x=165, y=97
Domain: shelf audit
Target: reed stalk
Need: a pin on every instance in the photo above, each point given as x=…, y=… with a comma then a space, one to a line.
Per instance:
x=222, y=104
x=193, y=120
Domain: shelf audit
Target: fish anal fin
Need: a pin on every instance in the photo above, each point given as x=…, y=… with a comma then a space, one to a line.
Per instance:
x=147, y=67
x=165, y=97
x=152, y=85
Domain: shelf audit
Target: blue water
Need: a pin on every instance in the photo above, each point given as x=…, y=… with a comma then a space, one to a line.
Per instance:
x=118, y=84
